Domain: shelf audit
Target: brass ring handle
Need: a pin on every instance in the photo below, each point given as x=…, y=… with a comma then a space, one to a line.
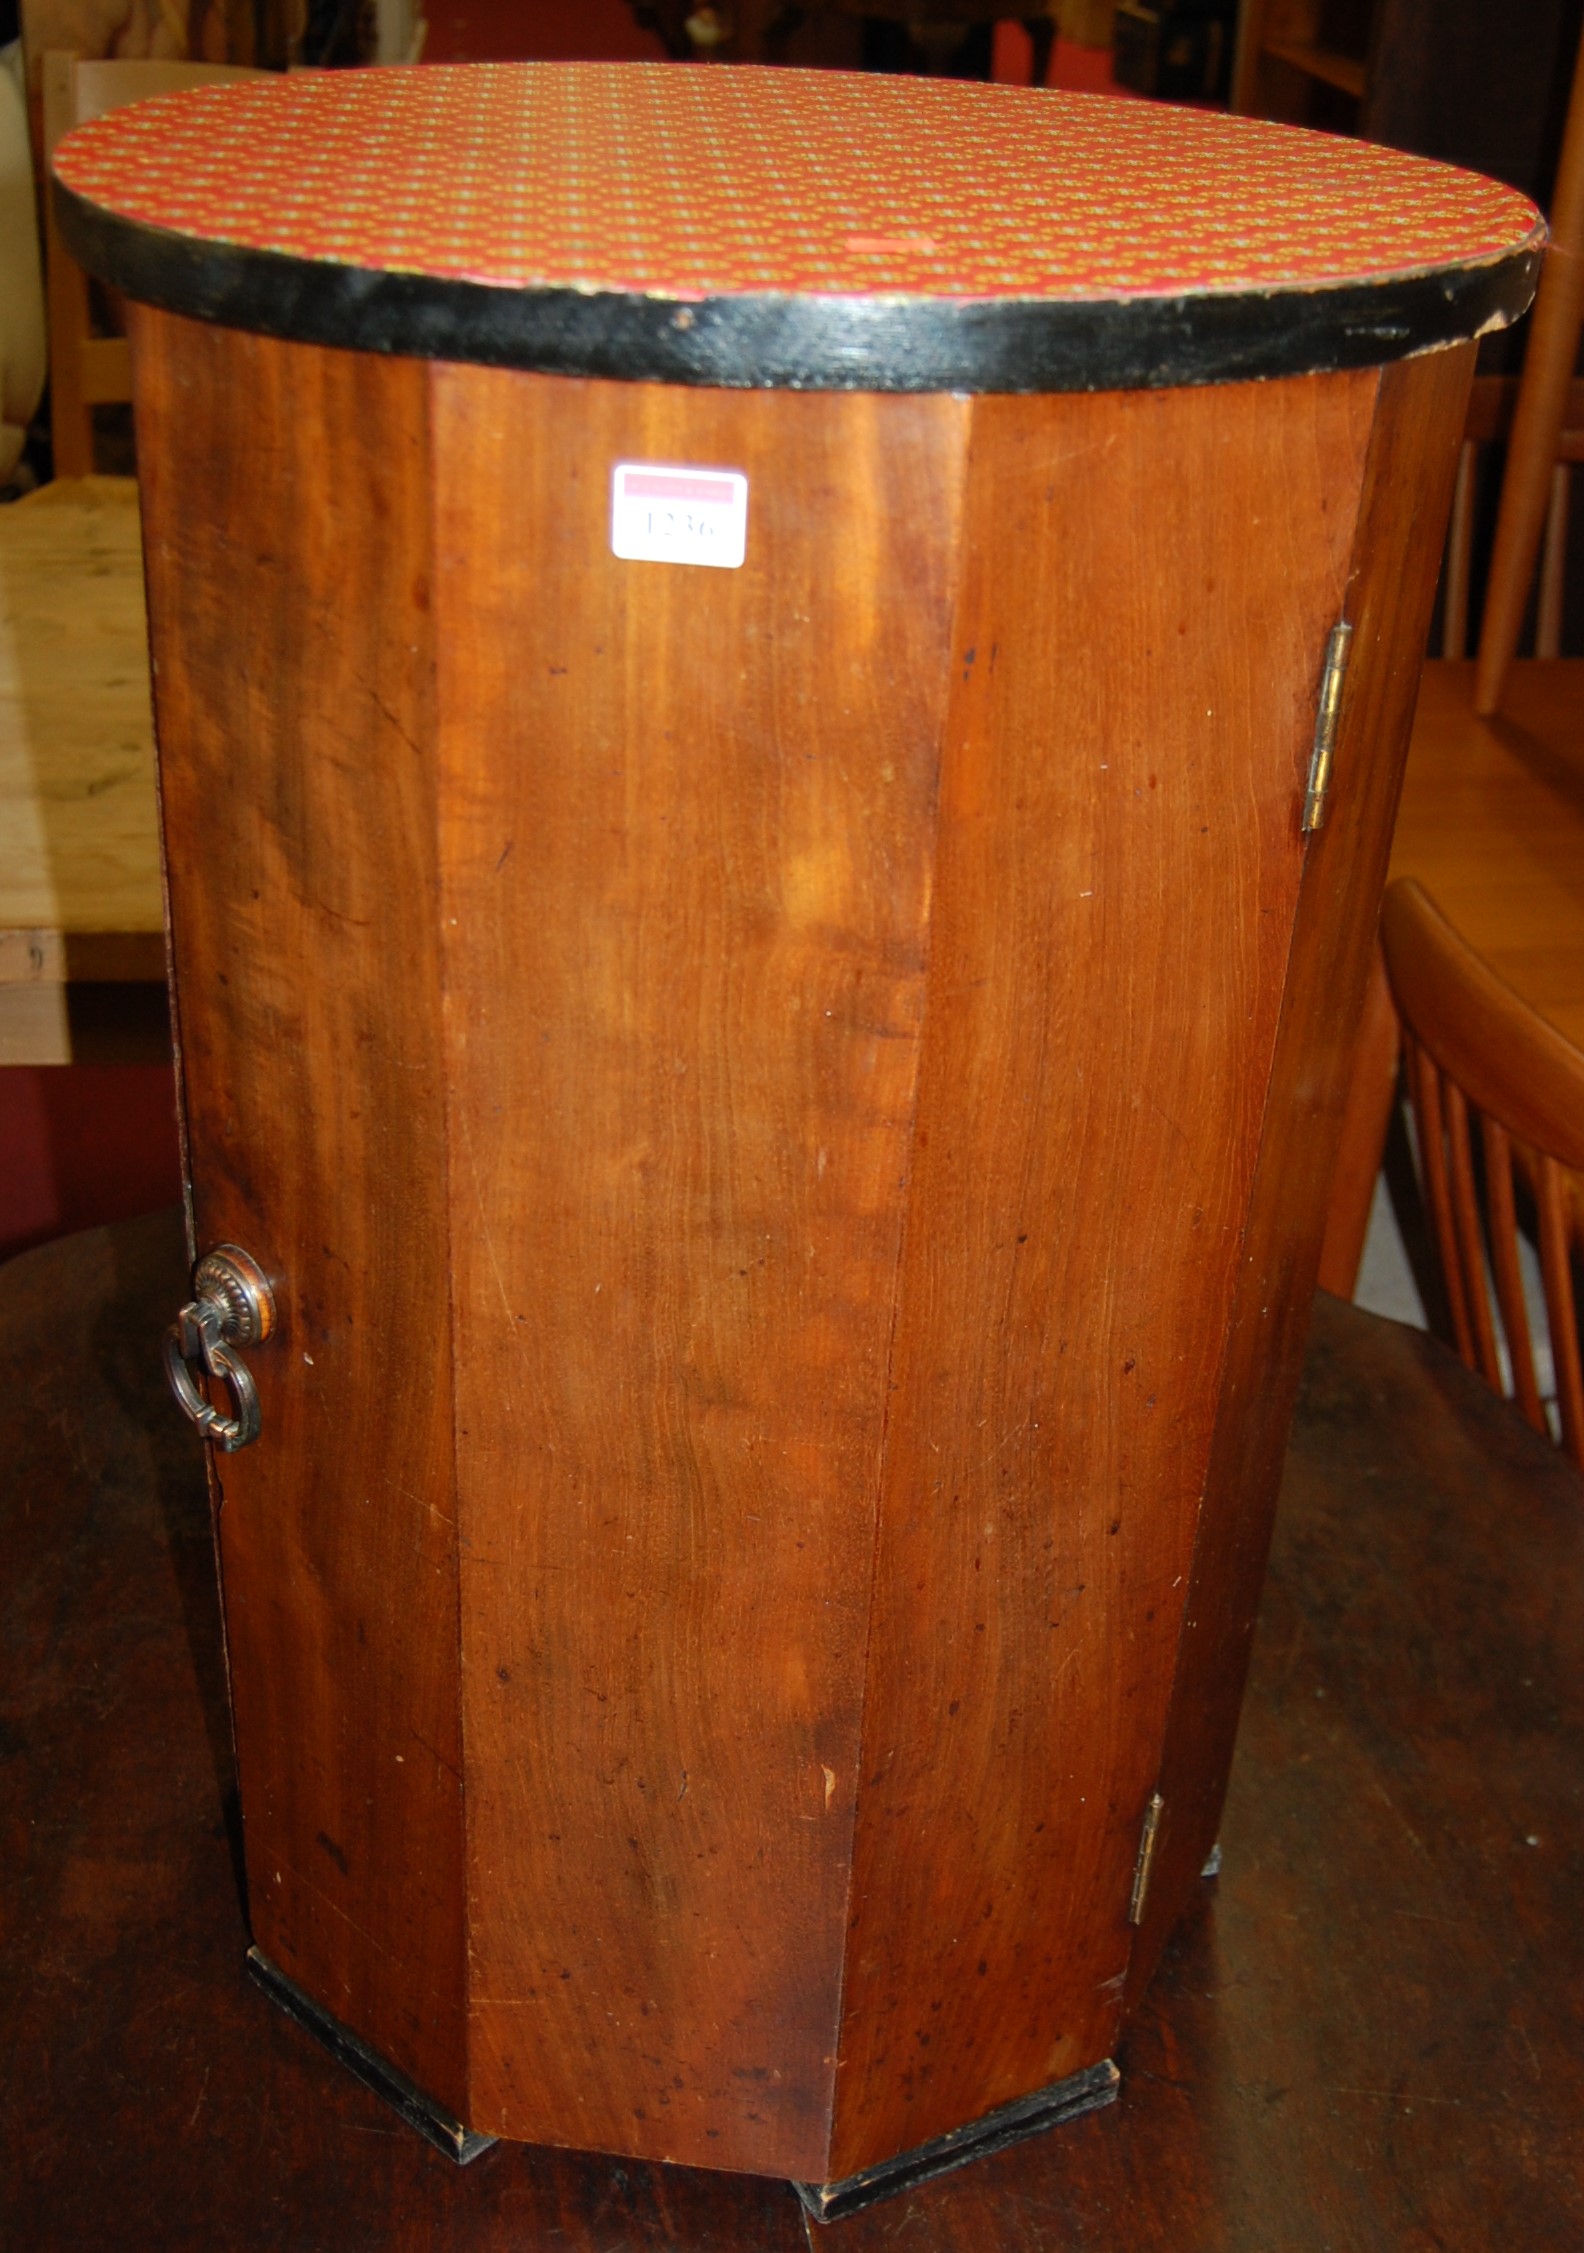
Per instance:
x=232, y=1305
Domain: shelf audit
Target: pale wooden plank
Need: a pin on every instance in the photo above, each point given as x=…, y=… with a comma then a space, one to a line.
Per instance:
x=79, y=838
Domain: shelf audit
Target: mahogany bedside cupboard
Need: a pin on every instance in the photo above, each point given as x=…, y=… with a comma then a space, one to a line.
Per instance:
x=779, y=698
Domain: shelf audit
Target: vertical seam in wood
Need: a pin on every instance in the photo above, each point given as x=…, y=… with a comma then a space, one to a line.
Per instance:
x=1306, y=841
x=138, y=323
x=448, y=1224
x=882, y=1455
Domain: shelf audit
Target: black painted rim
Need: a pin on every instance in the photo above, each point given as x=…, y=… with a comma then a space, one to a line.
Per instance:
x=798, y=343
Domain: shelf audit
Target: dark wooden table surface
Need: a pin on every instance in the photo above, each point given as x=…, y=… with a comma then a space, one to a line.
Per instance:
x=1369, y=2033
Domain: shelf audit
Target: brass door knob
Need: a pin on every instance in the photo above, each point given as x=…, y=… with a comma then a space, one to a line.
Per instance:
x=232, y=1305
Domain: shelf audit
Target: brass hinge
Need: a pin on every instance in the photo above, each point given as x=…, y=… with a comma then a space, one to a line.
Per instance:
x=1146, y=1858
x=1325, y=734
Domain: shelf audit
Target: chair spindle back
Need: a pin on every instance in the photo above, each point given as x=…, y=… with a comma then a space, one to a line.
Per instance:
x=1476, y=1051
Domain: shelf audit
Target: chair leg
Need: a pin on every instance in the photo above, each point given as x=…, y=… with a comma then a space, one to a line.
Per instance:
x=1366, y=1115
x=1042, y=35
x=66, y=294
x=1506, y=1272
x=1459, y=548
x=1537, y=424
x=71, y=417
x=1561, y=1307
x=1553, y=565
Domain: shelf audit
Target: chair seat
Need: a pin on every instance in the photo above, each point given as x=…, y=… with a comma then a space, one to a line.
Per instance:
x=1492, y=824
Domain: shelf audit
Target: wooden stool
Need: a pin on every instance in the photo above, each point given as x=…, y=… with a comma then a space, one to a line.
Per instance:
x=748, y=684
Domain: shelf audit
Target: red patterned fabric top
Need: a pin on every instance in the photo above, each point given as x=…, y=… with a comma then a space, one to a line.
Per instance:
x=691, y=182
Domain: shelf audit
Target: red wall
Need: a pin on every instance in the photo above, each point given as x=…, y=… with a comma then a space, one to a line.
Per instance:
x=81, y=1144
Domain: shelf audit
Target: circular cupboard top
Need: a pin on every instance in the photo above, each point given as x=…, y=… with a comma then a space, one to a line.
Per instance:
x=784, y=228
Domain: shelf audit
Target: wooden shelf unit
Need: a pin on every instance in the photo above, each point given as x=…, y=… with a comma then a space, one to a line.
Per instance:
x=1304, y=61
x=1346, y=72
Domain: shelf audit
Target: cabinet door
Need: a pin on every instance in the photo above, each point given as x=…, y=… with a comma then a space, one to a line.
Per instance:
x=286, y=515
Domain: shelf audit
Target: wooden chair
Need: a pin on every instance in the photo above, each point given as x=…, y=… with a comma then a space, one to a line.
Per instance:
x=1492, y=420
x=1482, y=791
x=1476, y=794
x=88, y=370
x=1475, y=1049
x=1530, y=486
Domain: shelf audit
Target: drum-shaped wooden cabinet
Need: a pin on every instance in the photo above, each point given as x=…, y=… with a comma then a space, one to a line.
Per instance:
x=780, y=698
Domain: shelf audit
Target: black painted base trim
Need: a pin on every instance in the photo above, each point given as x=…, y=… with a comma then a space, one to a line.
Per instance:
x=419, y=2111
x=1009, y=2124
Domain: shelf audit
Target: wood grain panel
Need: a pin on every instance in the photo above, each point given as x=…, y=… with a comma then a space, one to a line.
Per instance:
x=688, y=827
x=1392, y=575
x=286, y=514
x=1148, y=583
